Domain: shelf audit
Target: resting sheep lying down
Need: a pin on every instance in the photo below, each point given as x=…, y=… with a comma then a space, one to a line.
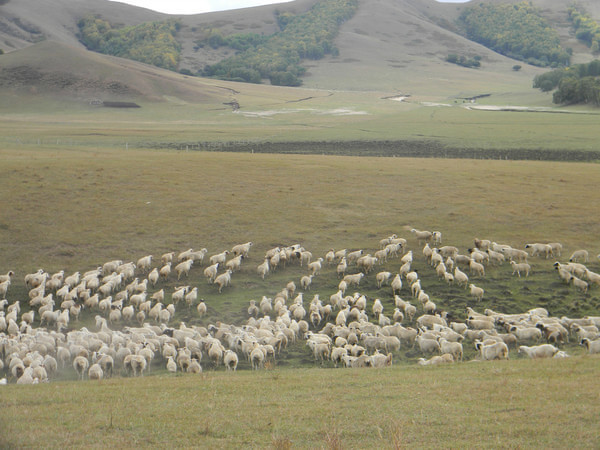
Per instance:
x=539, y=351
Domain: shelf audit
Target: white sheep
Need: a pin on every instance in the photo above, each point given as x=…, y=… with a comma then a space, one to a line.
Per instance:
x=184, y=267
x=476, y=292
x=519, y=268
x=396, y=284
x=436, y=360
x=242, y=249
x=219, y=258
x=497, y=350
x=263, y=269
x=230, y=360
x=384, y=277
x=476, y=268
x=223, y=280
x=95, y=372
x=211, y=272
x=460, y=277
x=306, y=281
x=235, y=263
x=579, y=284
x=422, y=236
x=354, y=279
x=539, y=351
x=453, y=348
x=144, y=263
x=579, y=255
x=537, y=249
x=315, y=266
x=592, y=346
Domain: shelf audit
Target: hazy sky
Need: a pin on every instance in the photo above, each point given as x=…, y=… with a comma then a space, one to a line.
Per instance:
x=203, y=6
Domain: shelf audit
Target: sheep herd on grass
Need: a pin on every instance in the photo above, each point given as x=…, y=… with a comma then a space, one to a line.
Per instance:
x=135, y=328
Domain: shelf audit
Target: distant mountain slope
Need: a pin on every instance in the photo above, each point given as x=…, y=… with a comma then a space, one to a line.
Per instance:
x=391, y=45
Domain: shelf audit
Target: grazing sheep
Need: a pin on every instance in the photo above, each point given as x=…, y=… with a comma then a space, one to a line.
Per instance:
x=592, y=346
x=519, y=268
x=526, y=334
x=579, y=255
x=242, y=249
x=476, y=268
x=539, y=351
x=579, y=284
x=453, y=348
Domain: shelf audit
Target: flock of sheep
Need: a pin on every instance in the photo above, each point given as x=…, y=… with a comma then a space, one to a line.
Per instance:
x=135, y=328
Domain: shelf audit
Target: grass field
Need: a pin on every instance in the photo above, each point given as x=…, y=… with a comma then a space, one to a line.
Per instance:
x=76, y=206
x=512, y=404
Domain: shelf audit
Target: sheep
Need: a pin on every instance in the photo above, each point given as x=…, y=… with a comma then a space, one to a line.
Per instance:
x=354, y=279
x=529, y=334
x=544, y=250
x=211, y=272
x=366, y=263
x=556, y=248
x=422, y=236
x=230, y=360
x=191, y=297
x=263, y=269
x=476, y=268
x=436, y=237
x=498, y=350
x=184, y=268
x=144, y=263
x=167, y=257
x=353, y=256
x=341, y=267
x=476, y=292
x=384, y=277
x=496, y=257
x=219, y=258
x=4, y=288
x=427, y=345
x=436, y=360
x=578, y=255
x=80, y=364
x=257, y=357
x=306, y=281
x=95, y=372
x=396, y=284
x=7, y=277
x=315, y=266
x=579, y=284
x=453, y=348
x=592, y=277
x=223, y=280
x=539, y=351
x=482, y=244
x=514, y=254
x=460, y=277
x=242, y=249
x=519, y=268
x=592, y=346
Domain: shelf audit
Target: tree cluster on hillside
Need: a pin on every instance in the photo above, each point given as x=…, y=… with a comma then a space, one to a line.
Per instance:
x=586, y=28
x=464, y=61
x=309, y=35
x=152, y=43
x=516, y=30
x=576, y=84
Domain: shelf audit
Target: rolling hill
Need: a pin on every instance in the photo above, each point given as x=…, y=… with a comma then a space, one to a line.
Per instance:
x=397, y=46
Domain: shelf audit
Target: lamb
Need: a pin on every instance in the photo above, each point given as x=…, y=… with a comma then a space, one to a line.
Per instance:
x=519, y=268
x=223, y=280
x=579, y=255
x=476, y=292
x=539, y=351
x=184, y=268
x=498, y=350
